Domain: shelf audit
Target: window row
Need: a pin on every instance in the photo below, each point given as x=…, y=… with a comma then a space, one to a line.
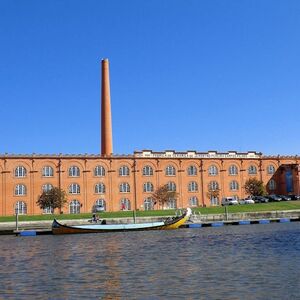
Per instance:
x=124, y=204
x=99, y=171
x=148, y=187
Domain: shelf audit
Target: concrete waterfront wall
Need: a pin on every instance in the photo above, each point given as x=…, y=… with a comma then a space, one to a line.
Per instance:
x=46, y=225
x=247, y=216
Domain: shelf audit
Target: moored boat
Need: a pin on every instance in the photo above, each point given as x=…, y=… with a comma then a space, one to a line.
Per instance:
x=170, y=223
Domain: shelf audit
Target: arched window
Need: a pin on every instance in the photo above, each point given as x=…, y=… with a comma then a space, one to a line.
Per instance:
x=148, y=204
x=74, y=171
x=48, y=210
x=74, y=207
x=172, y=204
x=193, y=186
x=213, y=186
x=170, y=171
x=99, y=171
x=147, y=171
x=20, y=171
x=234, y=186
x=47, y=171
x=100, y=188
x=124, y=171
x=271, y=170
x=101, y=203
x=124, y=187
x=212, y=170
x=233, y=170
x=148, y=187
x=272, y=185
x=193, y=201
x=192, y=171
x=252, y=170
x=74, y=188
x=125, y=204
x=171, y=186
x=20, y=190
x=47, y=187
x=21, y=208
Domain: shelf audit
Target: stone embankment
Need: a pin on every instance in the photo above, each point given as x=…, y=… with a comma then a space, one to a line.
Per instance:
x=45, y=226
x=269, y=215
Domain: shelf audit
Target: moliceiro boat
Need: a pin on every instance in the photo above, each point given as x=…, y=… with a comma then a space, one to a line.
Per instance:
x=170, y=223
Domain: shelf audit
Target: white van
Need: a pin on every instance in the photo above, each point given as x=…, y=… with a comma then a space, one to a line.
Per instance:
x=229, y=201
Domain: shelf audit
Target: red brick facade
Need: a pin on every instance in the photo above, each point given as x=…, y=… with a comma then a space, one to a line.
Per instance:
x=134, y=177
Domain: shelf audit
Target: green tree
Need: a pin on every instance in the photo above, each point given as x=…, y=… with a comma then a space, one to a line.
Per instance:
x=254, y=187
x=162, y=195
x=54, y=198
x=213, y=193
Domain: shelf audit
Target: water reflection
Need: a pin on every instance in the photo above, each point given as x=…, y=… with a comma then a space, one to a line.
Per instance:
x=233, y=262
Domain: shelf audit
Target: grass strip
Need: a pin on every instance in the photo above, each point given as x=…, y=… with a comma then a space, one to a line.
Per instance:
x=272, y=206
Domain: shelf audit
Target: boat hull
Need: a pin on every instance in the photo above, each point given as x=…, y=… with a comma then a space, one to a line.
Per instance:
x=171, y=223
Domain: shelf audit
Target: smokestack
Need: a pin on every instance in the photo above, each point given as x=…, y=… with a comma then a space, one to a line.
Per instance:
x=106, y=128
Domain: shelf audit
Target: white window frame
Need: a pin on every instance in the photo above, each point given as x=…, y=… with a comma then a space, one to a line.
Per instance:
x=47, y=187
x=172, y=203
x=47, y=171
x=74, y=207
x=124, y=187
x=148, y=204
x=101, y=202
x=48, y=210
x=213, y=170
x=74, y=189
x=171, y=186
x=252, y=170
x=271, y=170
x=20, y=190
x=21, y=207
x=74, y=171
x=214, y=185
x=20, y=172
x=193, y=201
x=234, y=185
x=192, y=170
x=147, y=171
x=193, y=186
x=125, y=204
x=124, y=171
x=233, y=170
x=148, y=187
x=99, y=171
x=170, y=170
x=99, y=188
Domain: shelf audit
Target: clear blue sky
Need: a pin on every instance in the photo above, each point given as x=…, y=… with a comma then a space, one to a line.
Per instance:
x=185, y=75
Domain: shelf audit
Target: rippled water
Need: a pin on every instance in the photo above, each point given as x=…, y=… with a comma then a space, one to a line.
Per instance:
x=231, y=262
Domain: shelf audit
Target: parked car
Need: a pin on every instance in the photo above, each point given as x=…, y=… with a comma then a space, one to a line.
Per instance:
x=260, y=199
x=97, y=208
x=285, y=198
x=246, y=201
x=295, y=197
x=274, y=198
x=229, y=201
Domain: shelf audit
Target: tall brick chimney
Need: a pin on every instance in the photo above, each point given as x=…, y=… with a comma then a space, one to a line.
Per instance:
x=106, y=127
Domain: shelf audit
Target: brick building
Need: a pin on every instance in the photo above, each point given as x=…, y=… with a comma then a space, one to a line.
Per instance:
x=127, y=181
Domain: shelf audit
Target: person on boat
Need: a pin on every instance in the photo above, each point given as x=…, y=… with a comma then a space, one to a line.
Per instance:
x=94, y=218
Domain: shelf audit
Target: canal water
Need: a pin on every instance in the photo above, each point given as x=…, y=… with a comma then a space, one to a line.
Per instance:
x=230, y=262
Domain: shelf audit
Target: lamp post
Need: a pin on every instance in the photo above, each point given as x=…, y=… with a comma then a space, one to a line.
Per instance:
x=134, y=187
x=17, y=218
